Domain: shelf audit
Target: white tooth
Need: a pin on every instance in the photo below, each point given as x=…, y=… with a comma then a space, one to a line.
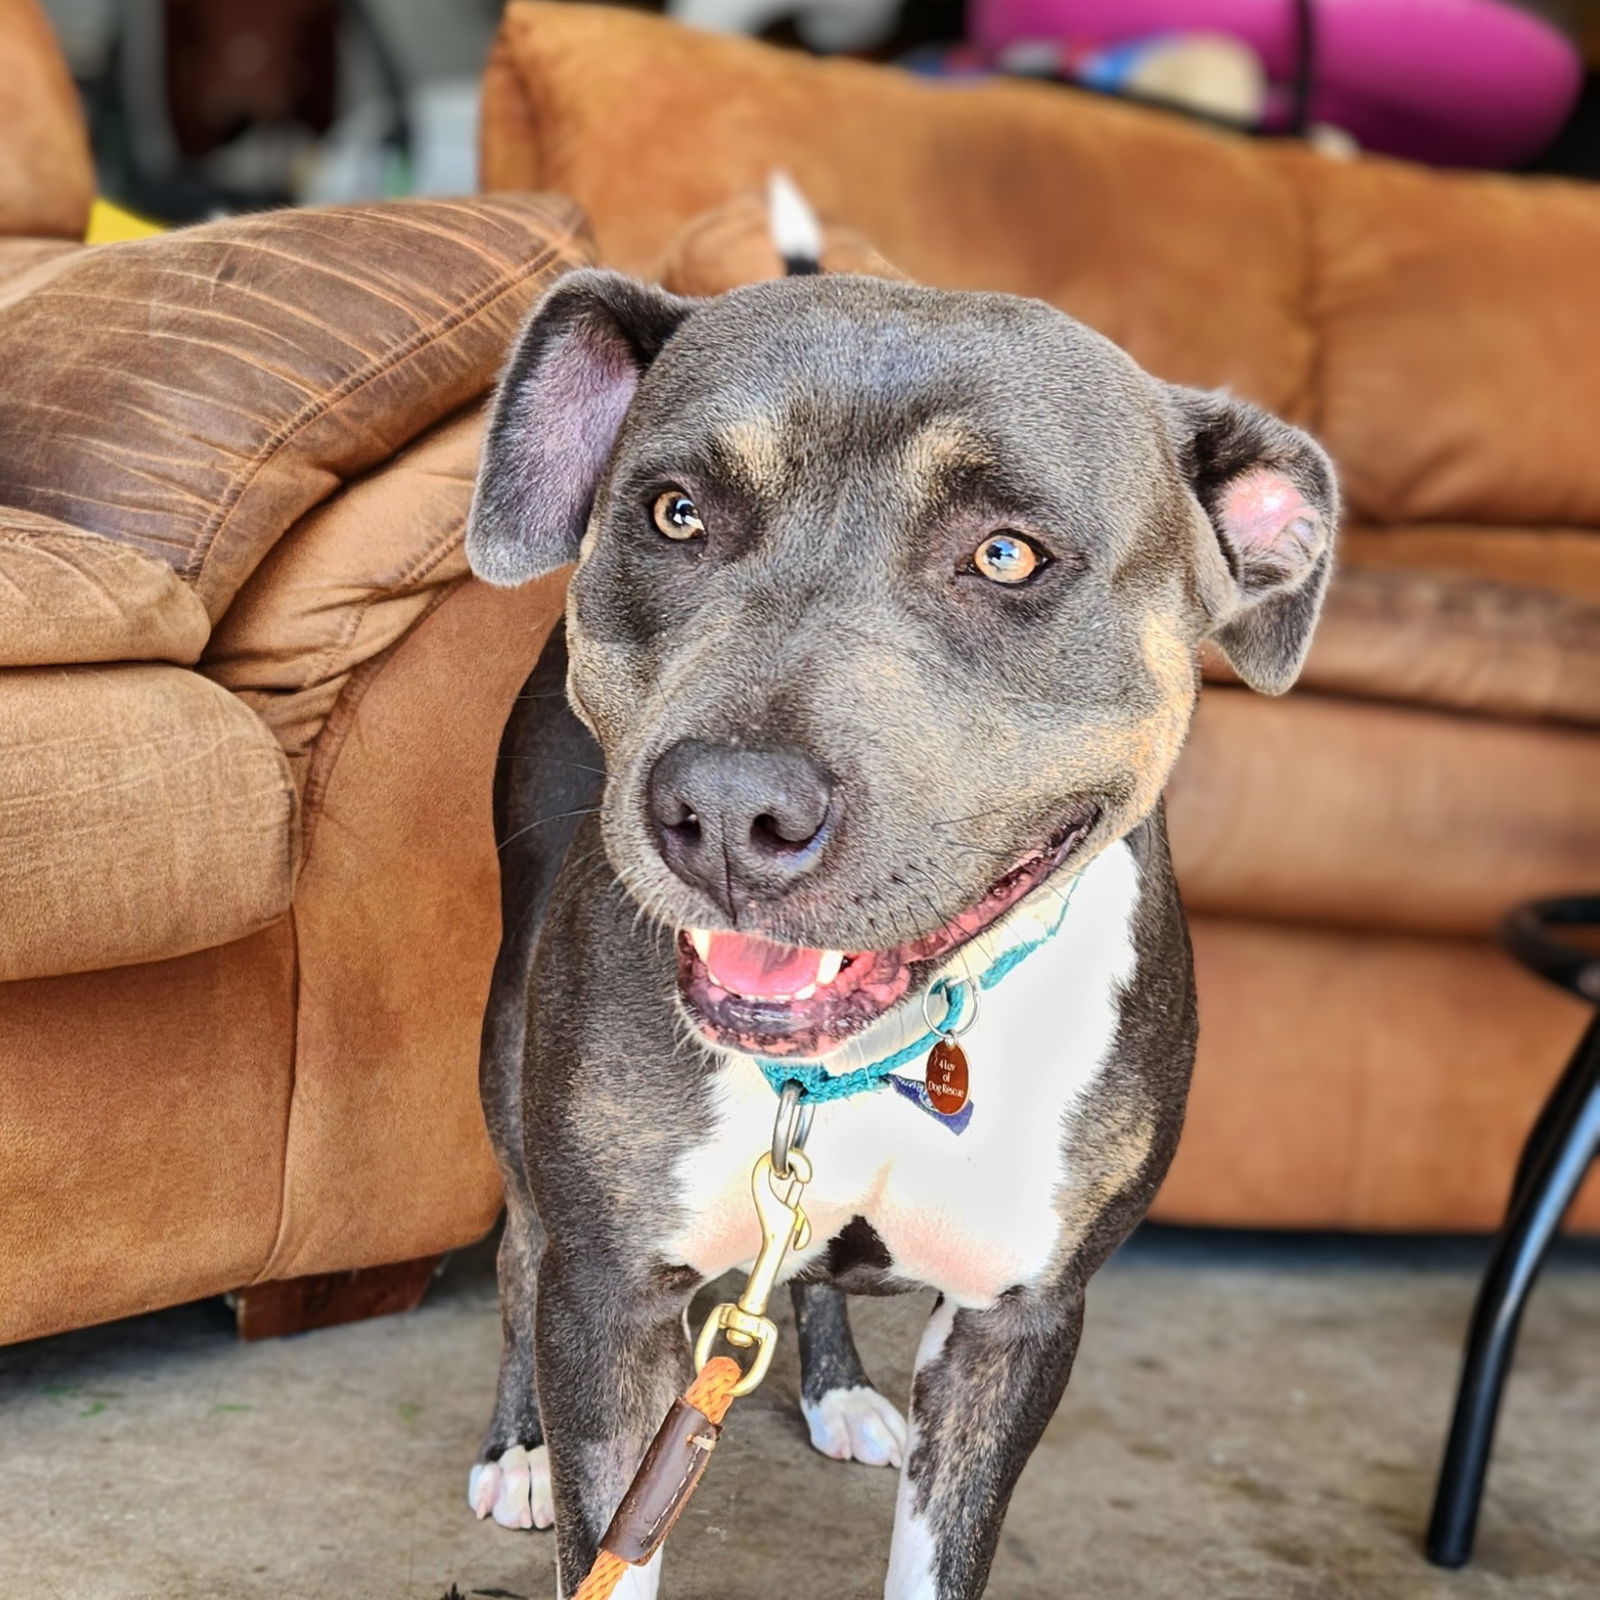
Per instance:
x=805, y=993
x=701, y=940
x=828, y=967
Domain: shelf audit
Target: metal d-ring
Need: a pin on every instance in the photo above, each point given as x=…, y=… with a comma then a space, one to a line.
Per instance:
x=792, y=1127
x=967, y=1021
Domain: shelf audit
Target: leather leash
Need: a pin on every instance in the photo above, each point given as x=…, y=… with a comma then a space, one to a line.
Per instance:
x=677, y=1457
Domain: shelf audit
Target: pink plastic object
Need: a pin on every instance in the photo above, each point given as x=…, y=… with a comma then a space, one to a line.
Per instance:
x=1458, y=82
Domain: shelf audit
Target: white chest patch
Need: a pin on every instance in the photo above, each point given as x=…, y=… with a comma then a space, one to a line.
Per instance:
x=970, y=1214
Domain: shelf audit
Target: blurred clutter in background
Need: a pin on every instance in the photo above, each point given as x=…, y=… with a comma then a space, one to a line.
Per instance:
x=200, y=107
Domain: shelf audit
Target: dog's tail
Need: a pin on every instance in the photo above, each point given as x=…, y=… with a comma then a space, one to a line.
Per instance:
x=796, y=232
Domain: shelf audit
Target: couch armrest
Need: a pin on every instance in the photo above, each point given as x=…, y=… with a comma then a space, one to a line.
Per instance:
x=147, y=813
x=194, y=394
x=67, y=596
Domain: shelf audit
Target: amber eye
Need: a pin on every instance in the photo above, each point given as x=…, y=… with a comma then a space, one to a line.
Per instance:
x=674, y=515
x=1008, y=558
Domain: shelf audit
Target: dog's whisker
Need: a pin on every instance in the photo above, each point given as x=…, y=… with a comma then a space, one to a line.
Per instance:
x=539, y=822
x=979, y=850
x=987, y=815
x=558, y=761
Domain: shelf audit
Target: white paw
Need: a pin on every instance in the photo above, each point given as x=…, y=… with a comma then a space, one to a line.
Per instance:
x=857, y=1425
x=515, y=1490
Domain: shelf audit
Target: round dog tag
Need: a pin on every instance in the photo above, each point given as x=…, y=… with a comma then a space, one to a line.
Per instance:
x=946, y=1078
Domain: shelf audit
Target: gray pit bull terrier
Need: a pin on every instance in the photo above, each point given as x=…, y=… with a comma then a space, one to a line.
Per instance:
x=882, y=644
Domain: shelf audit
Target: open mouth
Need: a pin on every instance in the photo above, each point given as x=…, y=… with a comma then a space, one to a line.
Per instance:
x=749, y=993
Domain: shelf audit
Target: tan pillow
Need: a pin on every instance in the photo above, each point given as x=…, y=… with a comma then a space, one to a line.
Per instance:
x=1460, y=370
x=70, y=596
x=193, y=394
x=732, y=244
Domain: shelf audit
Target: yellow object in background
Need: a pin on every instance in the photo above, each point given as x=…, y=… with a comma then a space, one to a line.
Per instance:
x=109, y=223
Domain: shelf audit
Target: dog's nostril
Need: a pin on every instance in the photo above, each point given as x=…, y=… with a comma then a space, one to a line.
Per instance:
x=771, y=833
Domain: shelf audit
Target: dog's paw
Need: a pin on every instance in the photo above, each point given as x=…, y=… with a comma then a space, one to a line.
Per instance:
x=515, y=1490
x=856, y=1425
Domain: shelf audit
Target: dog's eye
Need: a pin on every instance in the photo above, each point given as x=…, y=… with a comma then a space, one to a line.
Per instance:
x=674, y=515
x=1008, y=558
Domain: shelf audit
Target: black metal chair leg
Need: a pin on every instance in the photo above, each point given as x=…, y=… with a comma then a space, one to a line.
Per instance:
x=1558, y=1155
x=1558, y=1110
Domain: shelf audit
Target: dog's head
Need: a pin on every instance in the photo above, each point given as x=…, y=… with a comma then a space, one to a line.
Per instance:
x=886, y=609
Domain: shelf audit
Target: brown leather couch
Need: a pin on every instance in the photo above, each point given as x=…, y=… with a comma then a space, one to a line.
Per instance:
x=1368, y=1058
x=249, y=706
x=249, y=698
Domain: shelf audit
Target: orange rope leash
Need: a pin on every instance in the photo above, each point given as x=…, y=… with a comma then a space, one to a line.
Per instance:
x=712, y=1393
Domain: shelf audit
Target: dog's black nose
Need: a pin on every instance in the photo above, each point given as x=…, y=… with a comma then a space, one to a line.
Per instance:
x=740, y=824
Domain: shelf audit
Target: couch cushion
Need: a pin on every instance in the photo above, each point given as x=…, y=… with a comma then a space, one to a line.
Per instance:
x=146, y=813
x=1564, y=559
x=194, y=394
x=46, y=176
x=397, y=920
x=1318, y=810
x=1184, y=246
x=70, y=596
x=1363, y=1080
x=1459, y=375
x=1445, y=639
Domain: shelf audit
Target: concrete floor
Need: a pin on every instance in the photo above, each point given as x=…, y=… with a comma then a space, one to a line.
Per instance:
x=1252, y=1419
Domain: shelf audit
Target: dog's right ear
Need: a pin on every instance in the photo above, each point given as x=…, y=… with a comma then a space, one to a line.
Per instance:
x=572, y=375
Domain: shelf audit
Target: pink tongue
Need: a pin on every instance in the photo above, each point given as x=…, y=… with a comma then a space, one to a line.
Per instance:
x=760, y=969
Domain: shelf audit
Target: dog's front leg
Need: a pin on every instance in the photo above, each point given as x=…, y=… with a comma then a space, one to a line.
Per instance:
x=987, y=1382
x=611, y=1358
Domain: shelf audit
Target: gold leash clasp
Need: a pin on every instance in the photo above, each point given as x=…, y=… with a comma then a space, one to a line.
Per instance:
x=784, y=1227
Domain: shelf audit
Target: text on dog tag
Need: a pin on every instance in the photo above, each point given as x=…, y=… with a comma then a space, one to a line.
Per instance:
x=946, y=1079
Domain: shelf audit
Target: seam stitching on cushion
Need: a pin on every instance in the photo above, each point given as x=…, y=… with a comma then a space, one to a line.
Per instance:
x=294, y=852
x=391, y=361
x=329, y=743
x=322, y=666
x=280, y=1229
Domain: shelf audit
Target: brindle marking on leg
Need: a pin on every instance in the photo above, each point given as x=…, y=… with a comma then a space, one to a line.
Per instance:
x=980, y=1401
x=828, y=1355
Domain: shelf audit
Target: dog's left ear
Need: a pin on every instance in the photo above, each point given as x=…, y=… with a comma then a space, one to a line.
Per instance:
x=572, y=375
x=1272, y=504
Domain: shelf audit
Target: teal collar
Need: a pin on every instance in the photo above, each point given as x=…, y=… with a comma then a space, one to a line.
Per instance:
x=818, y=1084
